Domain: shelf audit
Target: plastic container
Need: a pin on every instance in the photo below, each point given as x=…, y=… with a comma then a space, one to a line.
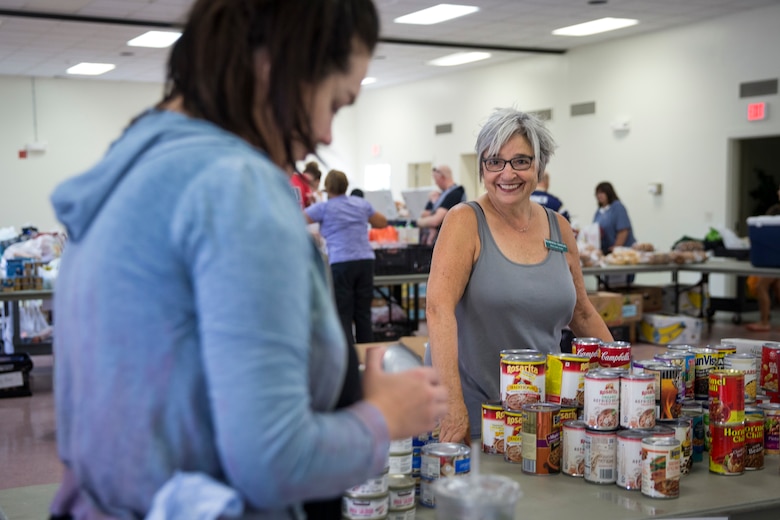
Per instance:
x=764, y=235
x=470, y=497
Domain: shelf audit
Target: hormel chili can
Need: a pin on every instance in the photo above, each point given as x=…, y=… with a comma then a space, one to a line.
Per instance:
x=589, y=347
x=615, y=354
x=492, y=427
x=522, y=379
x=770, y=358
x=706, y=360
x=727, y=394
x=727, y=452
x=565, y=378
x=754, y=443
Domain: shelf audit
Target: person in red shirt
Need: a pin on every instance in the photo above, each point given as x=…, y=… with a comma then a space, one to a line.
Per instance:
x=302, y=189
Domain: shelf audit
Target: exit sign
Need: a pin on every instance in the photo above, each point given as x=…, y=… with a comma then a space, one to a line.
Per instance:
x=756, y=111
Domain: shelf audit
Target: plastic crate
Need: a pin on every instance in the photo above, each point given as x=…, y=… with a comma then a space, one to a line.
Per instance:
x=392, y=261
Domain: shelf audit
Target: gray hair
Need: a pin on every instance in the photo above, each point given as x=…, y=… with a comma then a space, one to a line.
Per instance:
x=505, y=123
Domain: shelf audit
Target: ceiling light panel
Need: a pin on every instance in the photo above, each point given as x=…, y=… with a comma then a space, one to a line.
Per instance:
x=595, y=26
x=91, y=69
x=155, y=39
x=459, y=58
x=437, y=14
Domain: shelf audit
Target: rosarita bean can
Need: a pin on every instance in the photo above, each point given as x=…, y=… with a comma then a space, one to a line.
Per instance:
x=513, y=436
x=541, y=439
x=637, y=401
x=522, y=379
x=573, y=458
x=727, y=452
x=600, y=456
x=493, y=428
x=661, y=467
x=602, y=400
x=628, y=461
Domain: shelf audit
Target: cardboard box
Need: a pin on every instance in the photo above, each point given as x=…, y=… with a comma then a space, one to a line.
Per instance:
x=609, y=305
x=632, y=307
x=689, y=302
x=652, y=296
x=663, y=329
x=764, y=233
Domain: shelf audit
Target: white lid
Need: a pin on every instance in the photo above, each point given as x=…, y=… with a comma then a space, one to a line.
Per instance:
x=764, y=220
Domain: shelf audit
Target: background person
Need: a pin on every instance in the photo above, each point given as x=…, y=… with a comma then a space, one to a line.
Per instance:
x=450, y=195
x=193, y=292
x=612, y=218
x=311, y=172
x=542, y=196
x=344, y=221
x=505, y=273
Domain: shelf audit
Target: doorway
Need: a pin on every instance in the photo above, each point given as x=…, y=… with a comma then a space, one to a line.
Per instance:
x=755, y=179
x=418, y=175
x=470, y=175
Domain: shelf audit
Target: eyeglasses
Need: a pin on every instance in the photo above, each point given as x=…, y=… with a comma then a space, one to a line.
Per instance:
x=519, y=163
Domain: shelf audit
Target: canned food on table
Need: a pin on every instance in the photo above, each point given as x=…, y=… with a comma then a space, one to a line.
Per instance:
x=541, y=439
x=573, y=458
x=602, y=400
x=727, y=452
x=661, y=467
x=522, y=379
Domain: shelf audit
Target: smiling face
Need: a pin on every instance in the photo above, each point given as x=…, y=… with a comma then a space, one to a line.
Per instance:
x=333, y=93
x=509, y=185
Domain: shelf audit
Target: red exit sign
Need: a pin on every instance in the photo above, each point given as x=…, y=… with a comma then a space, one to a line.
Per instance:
x=756, y=111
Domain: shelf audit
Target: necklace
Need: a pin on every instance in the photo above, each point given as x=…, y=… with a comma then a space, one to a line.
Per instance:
x=530, y=216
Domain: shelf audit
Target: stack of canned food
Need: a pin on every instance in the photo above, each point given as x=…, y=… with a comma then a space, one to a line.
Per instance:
x=639, y=424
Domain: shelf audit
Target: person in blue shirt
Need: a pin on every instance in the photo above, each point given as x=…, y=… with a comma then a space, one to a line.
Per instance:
x=198, y=348
x=612, y=218
x=545, y=198
x=344, y=221
x=448, y=195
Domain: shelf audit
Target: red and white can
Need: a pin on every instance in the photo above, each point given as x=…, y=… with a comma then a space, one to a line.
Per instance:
x=513, y=436
x=522, y=379
x=615, y=354
x=588, y=347
x=770, y=358
x=602, y=400
x=727, y=394
x=565, y=378
x=492, y=428
x=637, y=401
x=727, y=451
x=573, y=459
x=629, y=458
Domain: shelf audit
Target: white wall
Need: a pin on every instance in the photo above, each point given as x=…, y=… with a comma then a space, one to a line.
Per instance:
x=78, y=119
x=679, y=88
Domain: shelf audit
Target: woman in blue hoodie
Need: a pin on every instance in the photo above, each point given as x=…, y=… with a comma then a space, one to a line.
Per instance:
x=198, y=350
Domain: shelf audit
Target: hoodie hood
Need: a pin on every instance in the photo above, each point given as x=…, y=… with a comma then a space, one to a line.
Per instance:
x=79, y=199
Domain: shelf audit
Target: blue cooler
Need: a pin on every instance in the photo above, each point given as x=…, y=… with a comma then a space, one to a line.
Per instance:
x=764, y=235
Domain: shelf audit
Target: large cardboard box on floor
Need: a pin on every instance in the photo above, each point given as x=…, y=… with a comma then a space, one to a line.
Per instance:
x=609, y=305
x=662, y=329
x=632, y=307
x=689, y=301
x=652, y=296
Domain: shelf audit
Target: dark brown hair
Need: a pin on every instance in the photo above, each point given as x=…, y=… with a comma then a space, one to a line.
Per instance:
x=212, y=65
x=607, y=189
x=336, y=182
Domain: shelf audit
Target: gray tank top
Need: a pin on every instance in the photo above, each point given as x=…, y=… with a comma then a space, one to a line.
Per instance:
x=507, y=305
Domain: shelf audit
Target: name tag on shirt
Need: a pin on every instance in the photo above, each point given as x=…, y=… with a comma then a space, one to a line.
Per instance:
x=552, y=245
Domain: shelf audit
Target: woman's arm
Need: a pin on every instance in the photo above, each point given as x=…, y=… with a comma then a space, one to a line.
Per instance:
x=453, y=258
x=377, y=220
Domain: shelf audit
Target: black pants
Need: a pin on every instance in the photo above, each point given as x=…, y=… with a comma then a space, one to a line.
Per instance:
x=353, y=284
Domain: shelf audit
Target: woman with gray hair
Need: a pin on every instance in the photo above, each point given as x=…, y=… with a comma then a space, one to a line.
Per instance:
x=505, y=274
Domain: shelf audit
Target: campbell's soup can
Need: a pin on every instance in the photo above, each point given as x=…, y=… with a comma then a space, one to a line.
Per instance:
x=637, y=401
x=668, y=381
x=541, y=439
x=602, y=400
x=683, y=432
x=444, y=459
x=770, y=358
x=615, y=354
x=771, y=428
x=686, y=361
x=513, y=436
x=589, y=347
x=745, y=363
x=754, y=443
x=600, y=456
x=727, y=396
x=694, y=412
x=522, y=379
x=565, y=378
x=628, y=460
x=661, y=467
x=706, y=360
x=492, y=428
x=727, y=452
x=573, y=459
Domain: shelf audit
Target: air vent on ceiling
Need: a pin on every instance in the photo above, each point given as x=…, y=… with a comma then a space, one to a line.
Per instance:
x=446, y=128
x=765, y=87
x=583, y=109
x=544, y=115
